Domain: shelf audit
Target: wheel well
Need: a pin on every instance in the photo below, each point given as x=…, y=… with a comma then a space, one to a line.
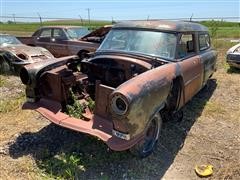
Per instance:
x=3, y=57
x=174, y=96
x=31, y=45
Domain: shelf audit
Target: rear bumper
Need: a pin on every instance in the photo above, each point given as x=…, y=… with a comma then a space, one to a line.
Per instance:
x=96, y=126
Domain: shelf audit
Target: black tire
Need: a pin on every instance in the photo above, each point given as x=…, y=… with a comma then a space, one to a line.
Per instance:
x=146, y=146
x=4, y=66
x=83, y=54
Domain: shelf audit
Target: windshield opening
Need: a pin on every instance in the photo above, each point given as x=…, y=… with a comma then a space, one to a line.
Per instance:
x=77, y=33
x=159, y=44
x=6, y=40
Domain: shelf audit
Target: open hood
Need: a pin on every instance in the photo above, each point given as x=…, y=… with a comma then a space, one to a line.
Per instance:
x=100, y=32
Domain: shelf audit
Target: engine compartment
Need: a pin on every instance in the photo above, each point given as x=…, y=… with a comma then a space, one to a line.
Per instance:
x=81, y=80
x=112, y=71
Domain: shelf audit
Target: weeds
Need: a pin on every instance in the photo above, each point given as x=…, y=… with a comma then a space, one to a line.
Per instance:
x=89, y=153
x=63, y=166
x=2, y=81
x=214, y=108
x=76, y=109
x=214, y=28
x=222, y=43
x=12, y=104
x=91, y=104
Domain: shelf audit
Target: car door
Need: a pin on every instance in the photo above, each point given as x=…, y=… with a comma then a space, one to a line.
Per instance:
x=43, y=39
x=59, y=43
x=207, y=56
x=190, y=65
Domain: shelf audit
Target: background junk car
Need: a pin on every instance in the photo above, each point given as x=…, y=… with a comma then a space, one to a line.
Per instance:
x=14, y=54
x=233, y=56
x=142, y=72
x=67, y=40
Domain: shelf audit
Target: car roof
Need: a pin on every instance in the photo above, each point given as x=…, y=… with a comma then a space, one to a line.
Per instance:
x=162, y=25
x=61, y=26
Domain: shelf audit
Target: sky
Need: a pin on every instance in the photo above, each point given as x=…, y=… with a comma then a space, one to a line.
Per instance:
x=121, y=9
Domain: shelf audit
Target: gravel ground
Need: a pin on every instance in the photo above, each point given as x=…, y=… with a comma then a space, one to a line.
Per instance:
x=32, y=148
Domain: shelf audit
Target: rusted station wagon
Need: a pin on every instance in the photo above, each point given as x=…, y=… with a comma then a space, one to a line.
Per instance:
x=67, y=40
x=142, y=71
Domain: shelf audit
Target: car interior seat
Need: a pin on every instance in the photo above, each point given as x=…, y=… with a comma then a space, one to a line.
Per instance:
x=190, y=47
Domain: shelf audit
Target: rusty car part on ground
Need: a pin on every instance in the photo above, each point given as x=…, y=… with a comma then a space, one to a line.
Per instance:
x=233, y=56
x=14, y=54
x=67, y=40
x=142, y=72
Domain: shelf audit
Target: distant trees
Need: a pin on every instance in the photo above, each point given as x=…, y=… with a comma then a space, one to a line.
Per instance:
x=10, y=22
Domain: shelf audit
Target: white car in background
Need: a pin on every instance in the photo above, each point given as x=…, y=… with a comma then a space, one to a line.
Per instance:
x=233, y=56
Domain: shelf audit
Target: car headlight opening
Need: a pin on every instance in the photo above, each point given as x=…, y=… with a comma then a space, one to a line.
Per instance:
x=119, y=105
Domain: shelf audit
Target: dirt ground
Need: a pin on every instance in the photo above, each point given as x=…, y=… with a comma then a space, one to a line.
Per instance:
x=32, y=148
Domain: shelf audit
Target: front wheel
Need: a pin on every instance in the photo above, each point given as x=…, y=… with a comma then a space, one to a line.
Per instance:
x=146, y=146
x=4, y=65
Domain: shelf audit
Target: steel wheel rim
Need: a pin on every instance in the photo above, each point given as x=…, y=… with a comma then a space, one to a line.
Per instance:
x=151, y=135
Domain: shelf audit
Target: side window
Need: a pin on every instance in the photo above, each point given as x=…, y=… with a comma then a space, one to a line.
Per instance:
x=45, y=33
x=186, y=45
x=58, y=34
x=204, y=41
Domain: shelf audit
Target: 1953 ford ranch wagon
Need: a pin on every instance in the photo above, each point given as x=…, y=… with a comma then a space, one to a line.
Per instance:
x=142, y=70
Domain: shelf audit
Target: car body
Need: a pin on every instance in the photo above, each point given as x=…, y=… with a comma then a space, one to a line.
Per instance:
x=67, y=40
x=233, y=56
x=14, y=54
x=142, y=71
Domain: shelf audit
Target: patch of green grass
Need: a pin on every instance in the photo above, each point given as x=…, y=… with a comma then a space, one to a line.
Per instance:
x=214, y=108
x=222, y=29
x=32, y=27
x=9, y=105
x=228, y=32
x=72, y=165
x=226, y=66
x=220, y=23
x=220, y=43
x=62, y=166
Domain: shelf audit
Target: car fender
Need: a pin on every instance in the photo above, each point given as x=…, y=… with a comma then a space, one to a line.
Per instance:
x=146, y=94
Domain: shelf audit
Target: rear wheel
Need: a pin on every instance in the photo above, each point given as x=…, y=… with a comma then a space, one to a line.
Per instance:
x=146, y=146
